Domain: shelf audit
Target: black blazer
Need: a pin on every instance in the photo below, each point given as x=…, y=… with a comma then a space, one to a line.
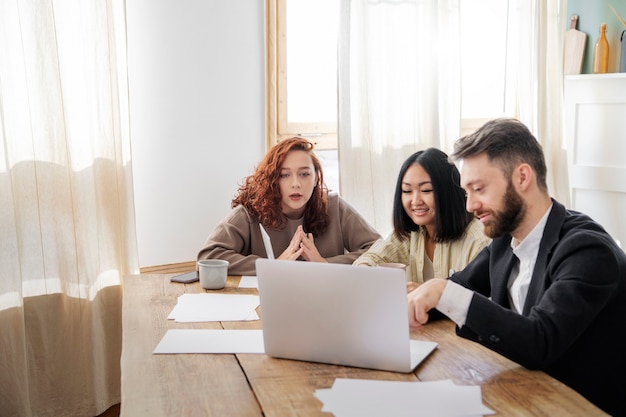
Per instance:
x=573, y=325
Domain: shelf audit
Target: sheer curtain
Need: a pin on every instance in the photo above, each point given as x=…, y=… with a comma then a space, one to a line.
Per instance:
x=66, y=211
x=399, y=89
x=536, y=34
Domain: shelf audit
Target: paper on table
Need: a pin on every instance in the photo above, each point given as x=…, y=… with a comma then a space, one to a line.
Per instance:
x=210, y=341
x=267, y=242
x=215, y=307
x=350, y=397
x=248, y=282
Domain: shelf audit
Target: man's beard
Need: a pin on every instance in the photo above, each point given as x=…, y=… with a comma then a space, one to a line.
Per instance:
x=507, y=221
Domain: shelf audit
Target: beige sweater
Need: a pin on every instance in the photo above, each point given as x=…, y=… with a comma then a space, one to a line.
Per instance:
x=449, y=256
x=238, y=240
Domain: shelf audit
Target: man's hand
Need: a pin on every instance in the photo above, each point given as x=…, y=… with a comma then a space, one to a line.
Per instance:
x=423, y=299
x=410, y=286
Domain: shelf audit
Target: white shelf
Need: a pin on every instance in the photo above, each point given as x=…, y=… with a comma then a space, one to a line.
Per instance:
x=610, y=75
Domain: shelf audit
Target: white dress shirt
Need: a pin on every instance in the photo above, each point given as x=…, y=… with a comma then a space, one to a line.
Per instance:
x=526, y=252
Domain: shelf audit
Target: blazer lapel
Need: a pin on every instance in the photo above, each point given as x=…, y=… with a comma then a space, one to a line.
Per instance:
x=550, y=237
x=504, y=262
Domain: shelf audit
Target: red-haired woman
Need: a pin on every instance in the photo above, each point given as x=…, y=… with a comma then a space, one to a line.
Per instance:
x=287, y=195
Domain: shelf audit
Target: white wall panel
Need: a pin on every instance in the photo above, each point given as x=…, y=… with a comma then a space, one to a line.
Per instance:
x=595, y=124
x=197, y=114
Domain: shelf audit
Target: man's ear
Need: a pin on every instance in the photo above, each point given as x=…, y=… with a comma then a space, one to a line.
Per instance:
x=523, y=176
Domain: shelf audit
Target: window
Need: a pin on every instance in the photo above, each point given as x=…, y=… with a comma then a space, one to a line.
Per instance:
x=483, y=62
x=302, y=77
x=483, y=58
x=307, y=73
x=306, y=49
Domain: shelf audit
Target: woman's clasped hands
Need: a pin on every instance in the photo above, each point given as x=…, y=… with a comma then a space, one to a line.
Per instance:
x=302, y=245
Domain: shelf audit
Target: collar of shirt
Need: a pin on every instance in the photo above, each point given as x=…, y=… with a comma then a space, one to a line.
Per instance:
x=529, y=247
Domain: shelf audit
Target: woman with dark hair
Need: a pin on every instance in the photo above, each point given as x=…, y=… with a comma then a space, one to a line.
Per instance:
x=433, y=233
x=287, y=196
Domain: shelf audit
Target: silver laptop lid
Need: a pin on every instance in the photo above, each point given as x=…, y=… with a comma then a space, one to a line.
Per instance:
x=335, y=313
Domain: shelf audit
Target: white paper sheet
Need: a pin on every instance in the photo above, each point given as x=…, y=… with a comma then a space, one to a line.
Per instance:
x=248, y=282
x=215, y=307
x=352, y=397
x=267, y=242
x=210, y=341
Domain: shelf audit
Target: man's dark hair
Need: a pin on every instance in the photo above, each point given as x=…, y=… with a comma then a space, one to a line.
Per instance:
x=507, y=143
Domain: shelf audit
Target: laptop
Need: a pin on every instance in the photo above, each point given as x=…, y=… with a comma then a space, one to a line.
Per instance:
x=337, y=314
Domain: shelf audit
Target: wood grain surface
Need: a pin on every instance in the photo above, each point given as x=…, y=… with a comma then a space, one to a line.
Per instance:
x=258, y=385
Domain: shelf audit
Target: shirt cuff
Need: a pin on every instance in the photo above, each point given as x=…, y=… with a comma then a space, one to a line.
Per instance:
x=455, y=301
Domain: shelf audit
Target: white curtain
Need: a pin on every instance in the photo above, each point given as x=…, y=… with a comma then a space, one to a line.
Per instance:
x=399, y=91
x=66, y=210
x=399, y=77
x=536, y=35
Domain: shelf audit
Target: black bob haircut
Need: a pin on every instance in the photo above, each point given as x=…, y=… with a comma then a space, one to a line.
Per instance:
x=451, y=217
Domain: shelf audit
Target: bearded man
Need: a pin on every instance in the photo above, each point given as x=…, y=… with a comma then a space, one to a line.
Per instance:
x=550, y=291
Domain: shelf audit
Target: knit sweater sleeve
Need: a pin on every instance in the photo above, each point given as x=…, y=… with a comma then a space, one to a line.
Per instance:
x=233, y=240
x=388, y=250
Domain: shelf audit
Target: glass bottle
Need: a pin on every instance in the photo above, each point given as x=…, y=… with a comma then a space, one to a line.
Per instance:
x=601, y=52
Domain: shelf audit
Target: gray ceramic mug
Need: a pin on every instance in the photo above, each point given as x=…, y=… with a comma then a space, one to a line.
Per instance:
x=212, y=273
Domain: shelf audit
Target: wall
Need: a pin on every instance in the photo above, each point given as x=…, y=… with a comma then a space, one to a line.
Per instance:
x=197, y=100
x=591, y=14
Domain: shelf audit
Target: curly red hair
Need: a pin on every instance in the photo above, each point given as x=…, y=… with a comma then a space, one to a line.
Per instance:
x=260, y=192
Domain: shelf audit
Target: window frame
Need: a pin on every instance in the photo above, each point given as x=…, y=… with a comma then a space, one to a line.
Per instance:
x=322, y=134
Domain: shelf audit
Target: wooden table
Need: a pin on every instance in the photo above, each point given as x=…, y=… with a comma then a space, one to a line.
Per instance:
x=257, y=385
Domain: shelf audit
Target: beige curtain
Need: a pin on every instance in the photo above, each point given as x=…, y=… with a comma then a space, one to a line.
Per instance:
x=66, y=209
x=536, y=35
x=399, y=91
